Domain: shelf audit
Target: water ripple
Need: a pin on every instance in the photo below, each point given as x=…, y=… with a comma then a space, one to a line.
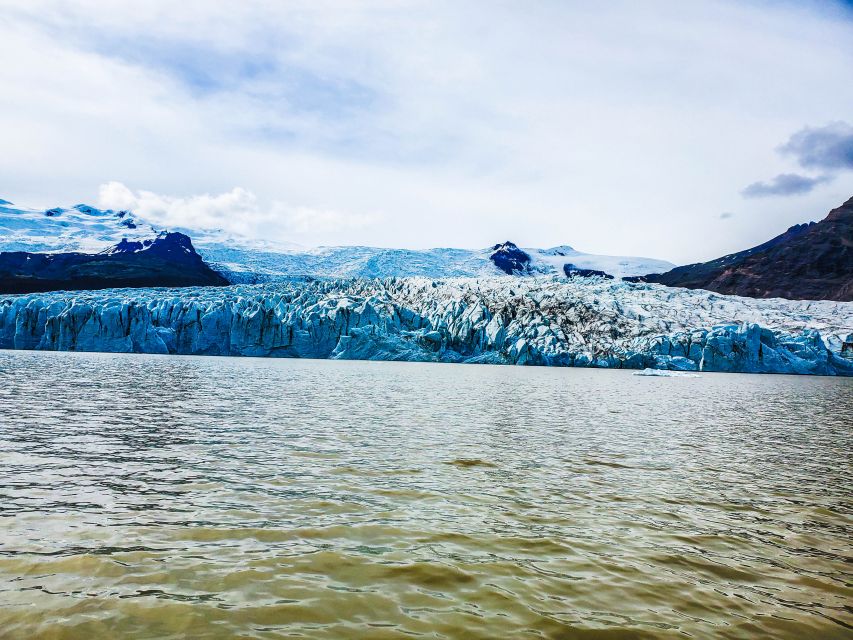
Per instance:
x=165, y=497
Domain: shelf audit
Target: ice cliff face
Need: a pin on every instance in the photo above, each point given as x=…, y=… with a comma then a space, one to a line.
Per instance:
x=535, y=321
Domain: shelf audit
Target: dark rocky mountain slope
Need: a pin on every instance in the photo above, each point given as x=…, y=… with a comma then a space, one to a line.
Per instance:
x=811, y=261
x=169, y=260
x=510, y=259
x=573, y=271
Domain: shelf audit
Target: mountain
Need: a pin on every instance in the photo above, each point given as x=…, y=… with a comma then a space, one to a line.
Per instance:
x=579, y=322
x=573, y=271
x=168, y=260
x=510, y=259
x=811, y=261
x=82, y=228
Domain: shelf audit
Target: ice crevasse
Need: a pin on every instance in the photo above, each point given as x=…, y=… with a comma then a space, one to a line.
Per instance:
x=532, y=321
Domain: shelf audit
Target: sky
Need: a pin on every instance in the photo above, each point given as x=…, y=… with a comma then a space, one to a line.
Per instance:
x=668, y=129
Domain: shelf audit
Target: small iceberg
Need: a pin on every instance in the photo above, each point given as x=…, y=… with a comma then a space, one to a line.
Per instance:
x=665, y=373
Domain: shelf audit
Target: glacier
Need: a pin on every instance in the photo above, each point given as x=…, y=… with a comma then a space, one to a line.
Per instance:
x=87, y=229
x=590, y=322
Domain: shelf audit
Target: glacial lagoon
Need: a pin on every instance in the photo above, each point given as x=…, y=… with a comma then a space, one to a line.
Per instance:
x=172, y=497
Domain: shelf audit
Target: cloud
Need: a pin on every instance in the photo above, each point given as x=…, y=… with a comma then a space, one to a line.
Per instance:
x=305, y=220
x=785, y=184
x=451, y=125
x=237, y=211
x=829, y=148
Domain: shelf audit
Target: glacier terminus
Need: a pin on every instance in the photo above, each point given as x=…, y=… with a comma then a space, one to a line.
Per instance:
x=578, y=322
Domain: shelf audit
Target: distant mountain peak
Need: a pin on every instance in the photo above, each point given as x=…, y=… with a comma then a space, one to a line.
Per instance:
x=561, y=250
x=92, y=211
x=85, y=209
x=573, y=271
x=812, y=261
x=165, y=243
x=510, y=259
x=168, y=260
x=842, y=213
x=87, y=229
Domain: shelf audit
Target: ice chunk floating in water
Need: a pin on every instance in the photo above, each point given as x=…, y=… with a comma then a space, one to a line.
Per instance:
x=504, y=320
x=663, y=373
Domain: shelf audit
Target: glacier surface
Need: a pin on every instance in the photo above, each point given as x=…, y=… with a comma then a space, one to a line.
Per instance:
x=500, y=320
x=86, y=229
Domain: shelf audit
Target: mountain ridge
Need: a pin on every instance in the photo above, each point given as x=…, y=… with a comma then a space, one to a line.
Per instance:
x=168, y=260
x=811, y=261
x=86, y=228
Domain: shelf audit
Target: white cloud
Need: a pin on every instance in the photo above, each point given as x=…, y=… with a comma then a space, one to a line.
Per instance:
x=237, y=211
x=308, y=221
x=619, y=129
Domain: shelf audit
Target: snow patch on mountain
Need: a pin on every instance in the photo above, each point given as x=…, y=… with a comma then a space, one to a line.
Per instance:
x=80, y=228
x=555, y=258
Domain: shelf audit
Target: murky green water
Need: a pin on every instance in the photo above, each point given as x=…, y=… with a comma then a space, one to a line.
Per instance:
x=164, y=497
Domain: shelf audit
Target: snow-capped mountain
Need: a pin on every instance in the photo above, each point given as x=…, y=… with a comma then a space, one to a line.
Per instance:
x=562, y=319
x=167, y=260
x=83, y=228
x=77, y=229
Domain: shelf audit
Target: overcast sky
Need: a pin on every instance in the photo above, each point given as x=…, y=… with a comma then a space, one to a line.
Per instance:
x=676, y=130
